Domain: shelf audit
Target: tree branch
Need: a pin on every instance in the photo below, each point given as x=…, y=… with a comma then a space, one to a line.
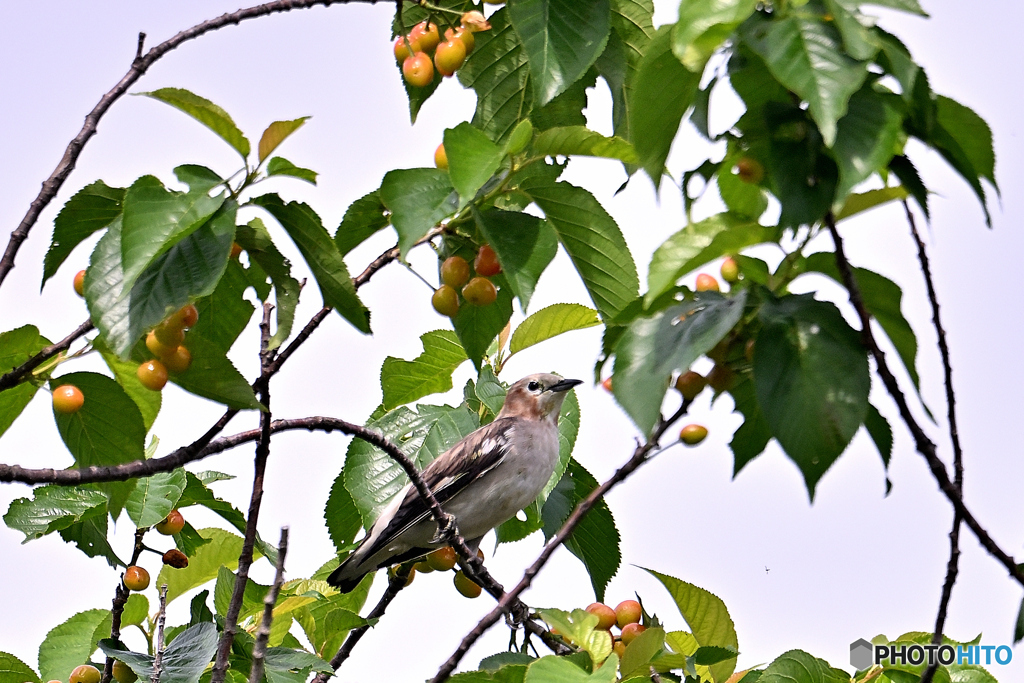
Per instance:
x=953, y=566
x=121, y=594
x=259, y=649
x=15, y=376
x=639, y=457
x=220, y=664
x=161, y=618
x=924, y=446
x=139, y=66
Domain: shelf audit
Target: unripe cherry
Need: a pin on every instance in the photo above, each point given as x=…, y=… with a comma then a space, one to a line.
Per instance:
x=750, y=170
x=136, y=578
x=480, y=292
x=486, y=262
x=442, y=559
x=401, y=49
x=450, y=56
x=85, y=673
x=693, y=434
x=79, y=283
x=466, y=586
x=179, y=361
x=68, y=399
x=690, y=384
x=152, y=374
x=721, y=378
x=605, y=614
x=445, y=300
x=730, y=269
x=425, y=35
x=631, y=631
x=463, y=34
x=441, y=158
x=455, y=271
x=628, y=612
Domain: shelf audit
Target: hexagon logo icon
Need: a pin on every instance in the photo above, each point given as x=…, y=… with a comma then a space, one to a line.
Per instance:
x=860, y=654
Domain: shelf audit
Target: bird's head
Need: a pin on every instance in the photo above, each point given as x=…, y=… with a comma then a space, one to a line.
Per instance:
x=537, y=397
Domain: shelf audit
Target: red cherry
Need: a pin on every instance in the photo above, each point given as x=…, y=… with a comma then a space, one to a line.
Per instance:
x=418, y=70
x=486, y=262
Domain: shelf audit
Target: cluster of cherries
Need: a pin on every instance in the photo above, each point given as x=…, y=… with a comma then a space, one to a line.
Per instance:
x=414, y=51
x=442, y=560
x=136, y=578
x=477, y=290
x=626, y=616
x=165, y=341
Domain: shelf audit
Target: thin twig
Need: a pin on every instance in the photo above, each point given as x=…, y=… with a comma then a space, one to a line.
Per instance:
x=15, y=376
x=259, y=649
x=220, y=664
x=923, y=445
x=396, y=583
x=161, y=618
x=639, y=457
x=139, y=66
x=121, y=594
x=953, y=566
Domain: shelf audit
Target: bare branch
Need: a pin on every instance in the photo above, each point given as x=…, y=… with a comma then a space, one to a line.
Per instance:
x=220, y=664
x=924, y=446
x=640, y=456
x=161, y=618
x=139, y=66
x=15, y=376
x=259, y=649
x=953, y=566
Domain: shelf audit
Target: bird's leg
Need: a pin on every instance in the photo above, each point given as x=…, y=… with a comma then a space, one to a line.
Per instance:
x=512, y=647
x=446, y=531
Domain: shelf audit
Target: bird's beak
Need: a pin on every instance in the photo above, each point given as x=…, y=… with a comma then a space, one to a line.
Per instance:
x=565, y=385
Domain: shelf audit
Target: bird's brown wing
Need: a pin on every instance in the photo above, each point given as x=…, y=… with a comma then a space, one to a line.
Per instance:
x=449, y=475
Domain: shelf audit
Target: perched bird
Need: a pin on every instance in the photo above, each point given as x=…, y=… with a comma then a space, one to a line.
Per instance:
x=483, y=480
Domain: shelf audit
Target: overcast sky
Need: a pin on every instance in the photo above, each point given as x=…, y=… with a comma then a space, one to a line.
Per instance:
x=794, y=575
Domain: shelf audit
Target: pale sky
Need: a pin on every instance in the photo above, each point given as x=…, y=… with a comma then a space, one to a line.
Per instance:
x=793, y=575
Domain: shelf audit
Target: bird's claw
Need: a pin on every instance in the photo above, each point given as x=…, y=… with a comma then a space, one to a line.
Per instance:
x=445, y=531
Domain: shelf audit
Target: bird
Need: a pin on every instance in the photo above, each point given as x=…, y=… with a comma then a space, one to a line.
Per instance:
x=483, y=481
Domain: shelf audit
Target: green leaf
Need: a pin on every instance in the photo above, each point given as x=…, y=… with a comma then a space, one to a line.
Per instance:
x=371, y=476
x=653, y=348
x=207, y=113
x=858, y=38
x=812, y=381
x=189, y=269
x=107, y=430
x=211, y=375
x=126, y=374
x=472, y=159
x=965, y=140
x=632, y=29
x=90, y=535
x=561, y=38
x=16, y=347
x=525, y=245
x=155, y=219
x=801, y=174
x=866, y=138
x=909, y=6
x=477, y=326
x=256, y=241
x=154, y=497
x=225, y=313
x=199, y=179
x=743, y=199
x=707, y=616
x=498, y=71
x=430, y=373
x=490, y=391
x=13, y=670
x=581, y=141
x=554, y=669
x=304, y=227
x=593, y=241
x=880, y=432
x=883, y=298
x=704, y=25
x=252, y=596
x=595, y=541
x=136, y=609
x=451, y=426
x=796, y=666
x=519, y=138
x=663, y=90
x=72, y=643
x=550, y=322
x=862, y=201
x=805, y=54
x=92, y=208
x=275, y=134
x=340, y=514
x=327, y=621
x=364, y=217
x=750, y=438
x=52, y=508
x=580, y=628
x=642, y=651
x=908, y=176
x=223, y=550
x=184, y=660
x=700, y=243
x=281, y=166
x=419, y=199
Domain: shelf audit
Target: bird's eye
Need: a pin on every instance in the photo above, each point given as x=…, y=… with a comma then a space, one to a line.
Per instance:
x=533, y=386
